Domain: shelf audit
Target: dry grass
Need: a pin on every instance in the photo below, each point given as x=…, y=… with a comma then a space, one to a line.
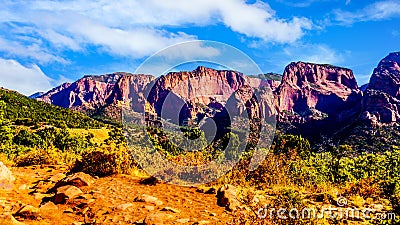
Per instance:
x=99, y=134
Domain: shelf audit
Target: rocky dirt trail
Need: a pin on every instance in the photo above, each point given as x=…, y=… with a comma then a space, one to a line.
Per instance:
x=44, y=195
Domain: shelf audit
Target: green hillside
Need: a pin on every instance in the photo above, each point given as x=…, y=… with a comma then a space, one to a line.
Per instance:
x=21, y=110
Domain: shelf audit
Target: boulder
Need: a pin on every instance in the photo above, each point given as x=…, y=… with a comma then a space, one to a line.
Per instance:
x=158, y=218
x=78, y=180
x=65, y=193
x=183, y=220
x=148, y=199
x=57, y=177
x=124, y=206
x=170, y=209
x=8, y=219
x=48, y=206
x=226, y=197
x=6, y=177
x=28, y=212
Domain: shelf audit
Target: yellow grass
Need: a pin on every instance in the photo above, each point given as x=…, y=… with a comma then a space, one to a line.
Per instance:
x=99, y=134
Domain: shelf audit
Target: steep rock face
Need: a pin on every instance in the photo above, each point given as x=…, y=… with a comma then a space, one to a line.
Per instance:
x=175, y=95
x=92, y=92
x=57, y=96
x=192, y=91
x=211, y=99
x=311, y=92
x=130, y=89
x=255, y=82
x=381, y=101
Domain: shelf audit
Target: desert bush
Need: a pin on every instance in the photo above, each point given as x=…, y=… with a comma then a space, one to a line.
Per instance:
x=367, y=188
x=272, y=171
x=5, y=160
x=105, y=161
x=289, y=197
x=36, y=156
x=292, y=146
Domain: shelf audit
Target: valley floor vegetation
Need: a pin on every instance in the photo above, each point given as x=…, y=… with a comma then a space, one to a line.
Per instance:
x=295, y=174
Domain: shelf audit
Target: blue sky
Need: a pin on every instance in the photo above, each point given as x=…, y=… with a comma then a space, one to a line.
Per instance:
x=44, y=43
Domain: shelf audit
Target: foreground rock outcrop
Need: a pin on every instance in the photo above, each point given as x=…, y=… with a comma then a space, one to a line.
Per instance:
x=117, y=199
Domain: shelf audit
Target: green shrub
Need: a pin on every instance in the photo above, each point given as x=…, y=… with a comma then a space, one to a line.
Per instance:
x=292, y=146
x=317, y=169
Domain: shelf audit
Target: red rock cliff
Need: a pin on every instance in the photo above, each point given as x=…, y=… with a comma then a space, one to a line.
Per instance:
x=381, y=101
x=313, y=92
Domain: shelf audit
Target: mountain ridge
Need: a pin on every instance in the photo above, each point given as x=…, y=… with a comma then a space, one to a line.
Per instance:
x=308, y=94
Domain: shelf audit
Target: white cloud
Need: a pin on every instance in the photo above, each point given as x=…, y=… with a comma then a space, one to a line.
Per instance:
x=189, y=51
x=374, y=12
x=26, y=80
x=301, y=4
x=59, y=40
x=313, y=53
x=31, y=50
x=137, y=28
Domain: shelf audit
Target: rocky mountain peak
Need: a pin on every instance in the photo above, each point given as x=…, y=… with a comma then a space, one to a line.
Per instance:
x=317, y=91
x=304, y=75
x=394, y=56
x=381, y=102
x=92, y=92
x=107, y=78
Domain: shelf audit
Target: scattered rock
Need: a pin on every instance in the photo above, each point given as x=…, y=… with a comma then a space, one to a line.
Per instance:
x=201, y=222
x=48, y=206
x=169, y=209
x=213, y=214
x=226, y=197
x=6, y=177
x=78, y=180
x=69, y=210
x=43, y=186
x=67, y=192
x=148, y=199
x=158, y=218
x=183, y=220
x=23, y=187
x=149, y=207
x=207, y=190
x=9, y=220
x=139, y=222
x=41, y=196
x=28, y=212
x=57, y=177
x=150, y=181
x=123, y=207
